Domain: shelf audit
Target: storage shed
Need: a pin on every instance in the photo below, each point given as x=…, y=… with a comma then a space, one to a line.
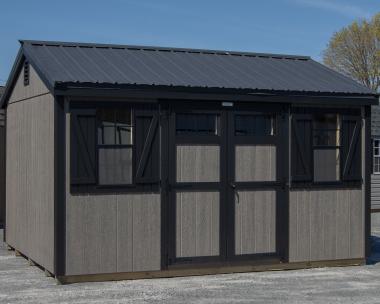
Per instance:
x=135, y=161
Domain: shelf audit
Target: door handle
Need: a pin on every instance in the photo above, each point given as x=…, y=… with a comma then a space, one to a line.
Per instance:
x=233, y=186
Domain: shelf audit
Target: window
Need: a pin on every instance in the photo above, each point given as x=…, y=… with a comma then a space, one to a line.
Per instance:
x=114, y=146
x=326, y=147
x=255, y=125
x=376, y=156
x=197, y=124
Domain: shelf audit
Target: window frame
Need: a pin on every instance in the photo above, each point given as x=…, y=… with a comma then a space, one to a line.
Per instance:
x=115, y=145
x=336, y=147
x=134, y=186
x=374, y=156
x=341, y=183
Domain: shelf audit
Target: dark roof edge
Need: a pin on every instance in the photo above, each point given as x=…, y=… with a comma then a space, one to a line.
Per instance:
x=16, y=68
x=345, y=77
x=147, y=47
x=11, y=78
x=163, y=92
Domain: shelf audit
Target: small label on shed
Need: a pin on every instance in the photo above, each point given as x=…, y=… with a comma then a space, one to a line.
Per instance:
x=227, y=104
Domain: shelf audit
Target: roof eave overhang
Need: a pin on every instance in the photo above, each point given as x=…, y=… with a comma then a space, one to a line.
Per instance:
x=82, y=90
x=21, y=55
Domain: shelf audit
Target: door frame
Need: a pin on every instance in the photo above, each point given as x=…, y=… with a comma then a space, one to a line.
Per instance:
x=168, y=173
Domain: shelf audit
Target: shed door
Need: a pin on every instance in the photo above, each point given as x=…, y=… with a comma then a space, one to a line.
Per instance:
x=256, y=178
x=224, y=187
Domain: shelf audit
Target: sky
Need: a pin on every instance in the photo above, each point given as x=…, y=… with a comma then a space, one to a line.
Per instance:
x=301, y=27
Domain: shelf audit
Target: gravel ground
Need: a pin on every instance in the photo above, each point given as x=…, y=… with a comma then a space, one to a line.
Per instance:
x=21, y=283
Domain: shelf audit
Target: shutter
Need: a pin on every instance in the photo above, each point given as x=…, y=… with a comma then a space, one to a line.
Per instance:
x=301, y=147
x=147, y=146
x=83, y=147
x=351, y=148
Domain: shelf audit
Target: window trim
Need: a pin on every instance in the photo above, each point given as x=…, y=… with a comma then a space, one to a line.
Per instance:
x=310, y=112
x=109, y=189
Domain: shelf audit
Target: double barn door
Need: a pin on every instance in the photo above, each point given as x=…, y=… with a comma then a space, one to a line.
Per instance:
x=226, y=198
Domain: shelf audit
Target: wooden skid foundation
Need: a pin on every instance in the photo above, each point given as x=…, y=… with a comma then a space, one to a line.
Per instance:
x=205, y=271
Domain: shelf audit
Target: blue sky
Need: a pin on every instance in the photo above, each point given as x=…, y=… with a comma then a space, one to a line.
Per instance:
x=277, y=26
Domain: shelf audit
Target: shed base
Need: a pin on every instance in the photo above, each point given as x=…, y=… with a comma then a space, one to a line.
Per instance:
x=182, y=272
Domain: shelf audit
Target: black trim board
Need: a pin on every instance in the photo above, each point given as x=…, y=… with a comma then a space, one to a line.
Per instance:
x=209, y=94
x=367, y=179
x=60, y=186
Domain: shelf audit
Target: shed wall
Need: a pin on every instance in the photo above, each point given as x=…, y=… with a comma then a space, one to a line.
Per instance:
x=326, y=225
x=111, y=233
x=30, y=172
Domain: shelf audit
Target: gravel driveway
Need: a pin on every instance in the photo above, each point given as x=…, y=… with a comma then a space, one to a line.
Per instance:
x=21, y=283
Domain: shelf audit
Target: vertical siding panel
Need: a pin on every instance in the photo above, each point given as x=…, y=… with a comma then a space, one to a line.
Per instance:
x=255, y=225
x=30, y=175
x=124, y=214
x=333, y=229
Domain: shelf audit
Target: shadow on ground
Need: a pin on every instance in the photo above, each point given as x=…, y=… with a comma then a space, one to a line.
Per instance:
x=374, y=258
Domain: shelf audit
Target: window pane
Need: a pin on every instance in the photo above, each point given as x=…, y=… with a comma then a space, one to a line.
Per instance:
x=326, y=130
x=106, y=128
x=115, y=166
x=255, y=125
x=123, y=127
x=197, y=124
x=326, y=165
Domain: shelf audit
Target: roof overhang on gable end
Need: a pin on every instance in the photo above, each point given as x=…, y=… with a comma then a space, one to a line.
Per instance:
x=22, y=55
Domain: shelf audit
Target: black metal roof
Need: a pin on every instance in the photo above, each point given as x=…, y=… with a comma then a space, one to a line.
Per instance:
x=61, y=64
x=142, y=65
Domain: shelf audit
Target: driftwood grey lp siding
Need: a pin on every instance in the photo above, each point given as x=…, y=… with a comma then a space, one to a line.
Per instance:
x=111, y=233
x=30, y=171
x=326, y=225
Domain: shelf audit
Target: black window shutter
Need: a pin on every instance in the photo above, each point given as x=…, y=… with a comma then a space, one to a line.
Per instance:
x=147, y=146
x=83, y=147
x=301, y=147
x=351, y=148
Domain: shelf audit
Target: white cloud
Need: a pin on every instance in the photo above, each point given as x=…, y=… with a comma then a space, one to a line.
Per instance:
x=346, y=9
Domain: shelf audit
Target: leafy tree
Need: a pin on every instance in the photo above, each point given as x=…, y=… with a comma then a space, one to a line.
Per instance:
x=355, y=52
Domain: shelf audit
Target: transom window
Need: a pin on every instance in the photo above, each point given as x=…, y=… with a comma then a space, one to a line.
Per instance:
x=197, y=124
x=255, y=125
x=376, y=156
x=326, y=147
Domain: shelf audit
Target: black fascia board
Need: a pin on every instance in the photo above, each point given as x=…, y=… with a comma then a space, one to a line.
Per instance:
x=200, y=93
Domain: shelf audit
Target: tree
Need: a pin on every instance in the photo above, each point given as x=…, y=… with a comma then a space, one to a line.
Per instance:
x=355, y=52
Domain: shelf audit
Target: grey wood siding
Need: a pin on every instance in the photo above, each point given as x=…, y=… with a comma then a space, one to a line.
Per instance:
x=198, y=163
x=255, y=222
x=255, y=163
x=30, y=173
x=326, y=225
x=111, y=233
x=35, y=88
x=375, y=191
x=197, y=224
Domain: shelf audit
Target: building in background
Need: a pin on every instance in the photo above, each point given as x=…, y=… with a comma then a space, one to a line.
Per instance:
x=2, y=164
